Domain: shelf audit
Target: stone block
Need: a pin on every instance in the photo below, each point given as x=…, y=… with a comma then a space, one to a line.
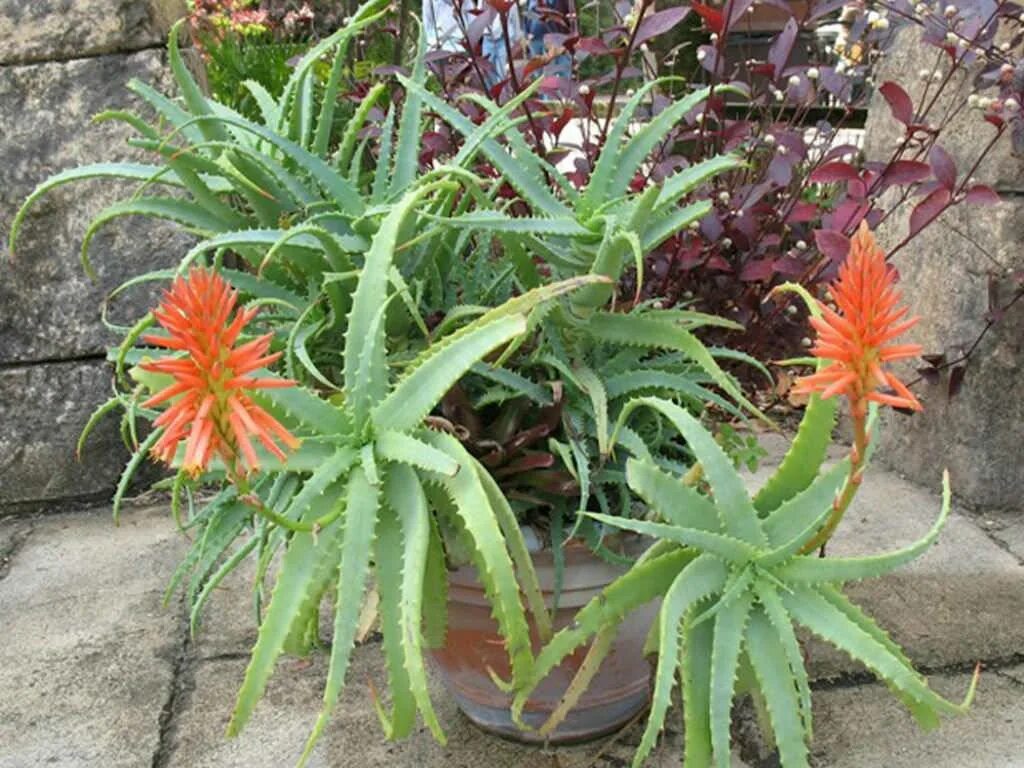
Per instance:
x=42, y=411
x=46, y=30
x=49, y=308
x=353, y=738
x=963, y=137
x=88, y=653
x=978, y=434
x=865, y=725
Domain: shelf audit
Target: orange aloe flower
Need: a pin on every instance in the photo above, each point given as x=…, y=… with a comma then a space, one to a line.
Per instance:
x=858, y=339
x=213, y=412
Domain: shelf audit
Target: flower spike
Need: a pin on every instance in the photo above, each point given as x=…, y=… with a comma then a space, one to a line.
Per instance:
x=212, y=411
x=857, y=339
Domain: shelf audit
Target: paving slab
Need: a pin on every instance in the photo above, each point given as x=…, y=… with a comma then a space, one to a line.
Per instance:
x=353, y=739
x=866, y=726
x=87, y=652
x=961, y=602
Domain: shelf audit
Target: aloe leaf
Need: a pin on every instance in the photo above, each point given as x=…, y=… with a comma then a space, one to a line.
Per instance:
x=219, y=534
x=215, y=580
x=371, y=293
x=403, y=448
x=700, y=578
x=298, y=569
x=695, y=672
x=130, y=469
x=641, y=584
x=328, y=474
x=801, y=511
x=726, y=547
x=679, y=184
x=775, y=681
x=740, y=519
x=305, y=407
x=666, y=225
x=640, y=146
x=599, y=187
x=193, y=97
x=807, y=606
x=646, y=331
x=926, y=716
x=419, y=391
x=404, y=494
x=768, y=596
x=388, y=567
x=382, y=170
x=435, y=594
x=525, y=572
x=514, y=381
x=804, y=457
x=806, y=568
x=588, y=668
x=359, y=523
x=730, y=626
x=129, y=171
x=494, y=221
x=594, y=389
x=641, y=381
x=494, y=566
x=676, y=502
x=343, y=157
x=193, y=217
x=530, y=185
x=407, y=150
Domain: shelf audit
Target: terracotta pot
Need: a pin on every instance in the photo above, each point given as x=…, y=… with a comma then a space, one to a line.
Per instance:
x=619, y=691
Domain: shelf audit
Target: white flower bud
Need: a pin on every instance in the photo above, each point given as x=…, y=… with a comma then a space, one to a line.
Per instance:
x=794, y=81
x=873, y=16
x=936, y=76
x=630, y=93
x=924, y=74
x=1012, y=106
x=584, y=90
x=792, y=310
x=783, y=150
x=694, y=226
x=1004, y=47
x=984, y=102
x=813, y=73
x=777, y=94
x=805, y=342
x=769, y=139
x=950, y=11
x=801, y=245
x=714, y=37
x=724, y=197
x=882, y=24
x=951, y=37
x=972, y=100
x=701, y=55
x=644, y=48
x=726, y=242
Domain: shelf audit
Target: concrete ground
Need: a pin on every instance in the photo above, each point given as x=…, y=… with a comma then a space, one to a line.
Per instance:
x=94, y=671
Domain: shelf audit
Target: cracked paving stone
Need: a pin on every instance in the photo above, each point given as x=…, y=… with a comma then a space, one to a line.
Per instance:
x=353, y=739
x=86, y=662
x=866, y=726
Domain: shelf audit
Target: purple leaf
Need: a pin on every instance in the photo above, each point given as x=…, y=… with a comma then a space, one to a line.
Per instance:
x=782, y=46
x=830, y=173
x=925, y=211
x=902, y=172
x=832, y=244
x=659, y=23
x=943, y=167
x=761, y=269
x=899, y=102
x=980, y=194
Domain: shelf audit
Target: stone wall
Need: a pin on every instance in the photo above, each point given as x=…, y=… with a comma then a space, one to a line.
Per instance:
x=62, y=62
x=979, y=434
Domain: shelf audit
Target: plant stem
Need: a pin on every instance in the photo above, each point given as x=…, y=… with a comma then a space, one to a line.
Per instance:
x=858, y=457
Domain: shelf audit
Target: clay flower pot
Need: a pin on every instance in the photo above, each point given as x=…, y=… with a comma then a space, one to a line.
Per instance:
x=619, y=691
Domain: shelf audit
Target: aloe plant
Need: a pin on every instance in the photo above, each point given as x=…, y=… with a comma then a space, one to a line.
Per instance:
x=734, y=586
